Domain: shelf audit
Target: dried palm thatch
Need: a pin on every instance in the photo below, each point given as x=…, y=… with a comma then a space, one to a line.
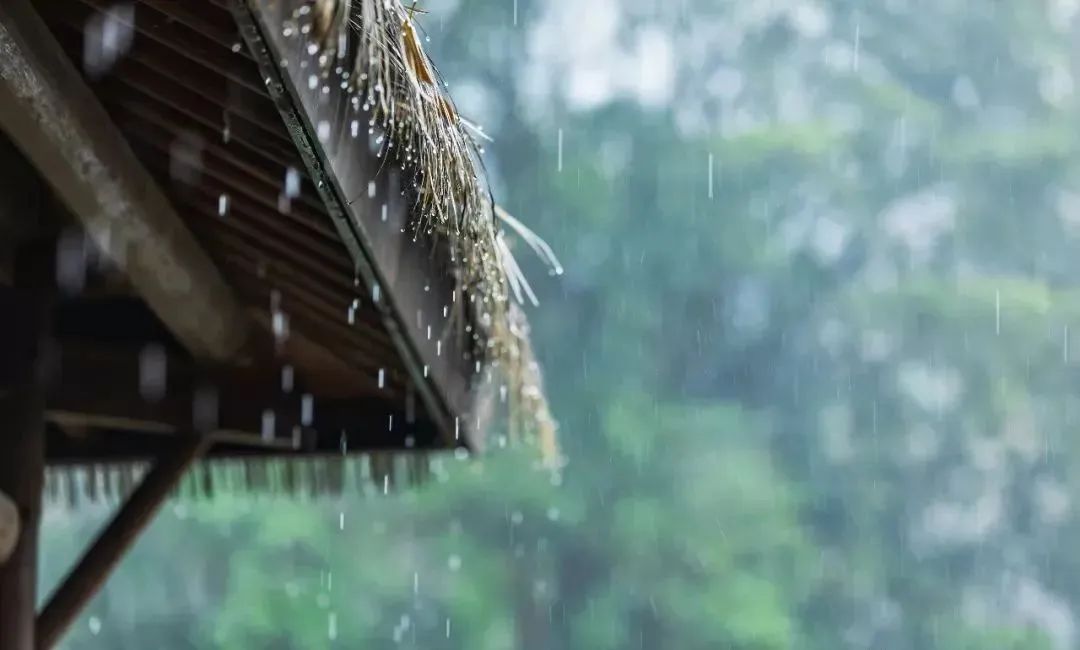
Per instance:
x=375, y=48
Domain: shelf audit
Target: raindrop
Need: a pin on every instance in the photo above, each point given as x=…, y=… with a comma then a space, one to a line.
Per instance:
x=152, y=372
x=559, y=165
x=223, y=205
x=858, y=47
x=454, y=562
x=307, y=410
x=280, y=325
x=236, y=47
x=106, y=38
x=287, y=377
x=710, y=176
x=292, y=183
x=382, y=377
x=94, y=623
x=354, y=128
x=331, y=626
x=71, y=260
x=323, y=130
x=375, y=292
x=185, y=158
x=371, y=189
x=997, y=311
x=341, y=521
x=268, y=425
x=1065, y=345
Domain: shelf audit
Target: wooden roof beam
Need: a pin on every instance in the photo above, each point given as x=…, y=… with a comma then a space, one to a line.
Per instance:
x=54, y=118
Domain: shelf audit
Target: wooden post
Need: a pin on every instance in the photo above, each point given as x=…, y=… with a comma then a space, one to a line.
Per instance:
x=84, y=581
x=25, y=323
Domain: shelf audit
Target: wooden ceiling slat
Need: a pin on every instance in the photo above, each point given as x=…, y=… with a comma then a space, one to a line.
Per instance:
x=282, y=275
x=149, y=126
x=160, y=68
x=190, y=56
x=129, y=99
x=215, y=25
x=315, y=320
x=261, y=198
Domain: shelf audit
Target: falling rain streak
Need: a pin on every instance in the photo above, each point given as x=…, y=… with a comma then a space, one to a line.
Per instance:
x=997, y=311
x=559, y=163
x=710, y=176
x=857, y=50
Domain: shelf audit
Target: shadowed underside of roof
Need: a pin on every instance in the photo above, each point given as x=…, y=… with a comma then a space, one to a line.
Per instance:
x=373, y=275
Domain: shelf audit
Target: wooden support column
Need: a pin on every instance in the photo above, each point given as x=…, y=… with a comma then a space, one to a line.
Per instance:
x=90, y=573
x=23, y=329
x=22, y=457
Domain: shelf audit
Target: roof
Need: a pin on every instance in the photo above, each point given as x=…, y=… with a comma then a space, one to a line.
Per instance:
x=359, y=292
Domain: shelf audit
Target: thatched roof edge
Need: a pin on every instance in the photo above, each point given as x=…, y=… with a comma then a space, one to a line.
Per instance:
x=372, y=48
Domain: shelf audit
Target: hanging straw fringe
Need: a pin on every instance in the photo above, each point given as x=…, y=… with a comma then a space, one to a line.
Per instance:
x=72, y=486
x=376, y=47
